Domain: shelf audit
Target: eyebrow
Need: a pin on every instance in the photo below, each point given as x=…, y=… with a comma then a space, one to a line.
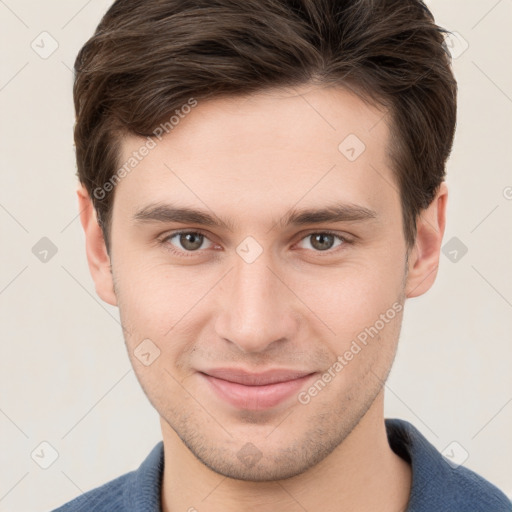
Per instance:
x=343, y=212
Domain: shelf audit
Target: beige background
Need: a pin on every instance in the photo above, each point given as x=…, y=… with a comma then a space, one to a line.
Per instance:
x=65, y=374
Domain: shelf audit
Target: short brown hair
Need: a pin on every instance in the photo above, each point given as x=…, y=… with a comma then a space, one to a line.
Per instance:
x=148, y=58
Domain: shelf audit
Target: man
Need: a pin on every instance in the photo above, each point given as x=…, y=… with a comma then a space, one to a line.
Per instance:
x=261, y=191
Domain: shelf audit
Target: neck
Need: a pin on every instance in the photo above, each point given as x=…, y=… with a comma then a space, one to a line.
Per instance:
x=361, y=474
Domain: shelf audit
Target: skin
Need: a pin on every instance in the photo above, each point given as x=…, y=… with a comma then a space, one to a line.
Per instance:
x=250, y=161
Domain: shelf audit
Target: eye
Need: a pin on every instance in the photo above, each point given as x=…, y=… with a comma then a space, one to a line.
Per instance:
x=185, y=241
x=323, y=241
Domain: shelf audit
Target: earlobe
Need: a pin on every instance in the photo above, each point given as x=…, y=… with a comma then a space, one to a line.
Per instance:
x=424, y=257
x=96, y=251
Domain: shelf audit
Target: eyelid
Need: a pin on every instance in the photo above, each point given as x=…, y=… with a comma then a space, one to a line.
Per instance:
x=164, y=240
x=342, y=235
x=344, y=239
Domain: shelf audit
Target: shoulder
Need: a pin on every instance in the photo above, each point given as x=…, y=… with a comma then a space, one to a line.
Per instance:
x=136, y=491
x=108, y=496
x=439, y=484
x=470, y=488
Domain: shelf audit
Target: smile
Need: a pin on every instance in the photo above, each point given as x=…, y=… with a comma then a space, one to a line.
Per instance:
x=255, y=391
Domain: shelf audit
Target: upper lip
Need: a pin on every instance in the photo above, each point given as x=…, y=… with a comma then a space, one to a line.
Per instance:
x=256, y=379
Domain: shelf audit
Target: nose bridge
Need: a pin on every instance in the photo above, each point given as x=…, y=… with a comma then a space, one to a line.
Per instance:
x=258, y=306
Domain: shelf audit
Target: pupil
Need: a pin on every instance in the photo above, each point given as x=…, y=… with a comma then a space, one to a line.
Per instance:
x=323, y=244
x=187, y=240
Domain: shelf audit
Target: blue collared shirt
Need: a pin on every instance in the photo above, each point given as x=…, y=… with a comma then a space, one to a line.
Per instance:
x=437, y=486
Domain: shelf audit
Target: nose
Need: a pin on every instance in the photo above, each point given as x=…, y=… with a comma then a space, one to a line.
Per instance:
x=257, y=307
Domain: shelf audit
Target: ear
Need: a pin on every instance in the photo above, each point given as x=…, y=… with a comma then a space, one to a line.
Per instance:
x=424, y=256
x=96, y=250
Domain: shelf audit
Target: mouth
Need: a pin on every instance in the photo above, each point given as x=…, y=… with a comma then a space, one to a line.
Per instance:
x=255, y=391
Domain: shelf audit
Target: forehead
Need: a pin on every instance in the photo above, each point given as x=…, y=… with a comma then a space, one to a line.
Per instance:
x=267, y=150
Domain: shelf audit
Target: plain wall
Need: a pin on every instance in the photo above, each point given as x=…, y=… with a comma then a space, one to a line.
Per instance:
x=65, y=375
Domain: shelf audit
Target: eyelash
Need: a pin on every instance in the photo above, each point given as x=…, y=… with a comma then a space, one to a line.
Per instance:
x=169, y=247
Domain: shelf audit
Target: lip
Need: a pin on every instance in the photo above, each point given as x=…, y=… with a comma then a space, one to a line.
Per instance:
x=255, y=391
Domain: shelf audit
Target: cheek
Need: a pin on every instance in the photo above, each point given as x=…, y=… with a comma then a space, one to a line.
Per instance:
x=154, y=298
x=352, y=297
x=157, y=299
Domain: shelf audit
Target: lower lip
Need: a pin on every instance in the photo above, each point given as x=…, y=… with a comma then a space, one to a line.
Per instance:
x=255, y=397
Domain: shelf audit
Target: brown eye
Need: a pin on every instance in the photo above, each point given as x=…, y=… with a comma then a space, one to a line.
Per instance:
x=191, y=241
x=322, y=241
x=186, y=241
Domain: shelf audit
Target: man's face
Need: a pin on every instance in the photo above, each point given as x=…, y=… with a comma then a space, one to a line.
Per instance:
x=260, y=293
